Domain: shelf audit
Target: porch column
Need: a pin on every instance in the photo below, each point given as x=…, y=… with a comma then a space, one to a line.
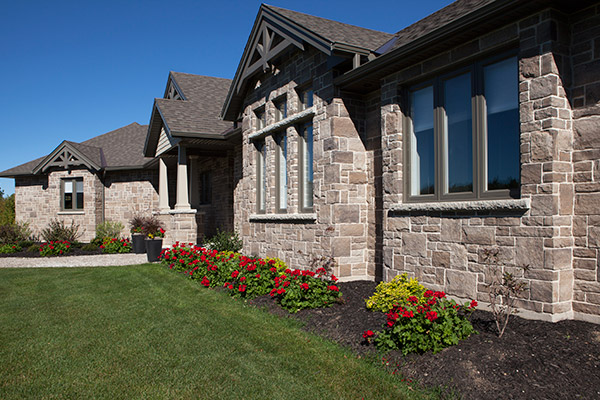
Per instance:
x=163, y=186
x=194, y=195
x=182, y=181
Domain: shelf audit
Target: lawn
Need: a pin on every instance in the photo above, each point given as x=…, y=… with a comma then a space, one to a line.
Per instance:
x=145, y=332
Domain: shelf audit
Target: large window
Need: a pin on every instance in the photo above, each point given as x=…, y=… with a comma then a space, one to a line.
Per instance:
x=72, y=194
x=306, y=168
x=281, y=171
x=280, y=109
x=261, y=176
x=463, y=140
x=305, y=97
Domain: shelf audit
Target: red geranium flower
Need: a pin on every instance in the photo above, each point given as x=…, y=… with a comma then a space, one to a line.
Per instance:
x=428, y=293
x=431, y=315
x=333, y=288
x=413, y=299
x=234, y=274
x=368, y=333
x=473, y=304
x=242, y=288
x=439, y=295
x=304, y=286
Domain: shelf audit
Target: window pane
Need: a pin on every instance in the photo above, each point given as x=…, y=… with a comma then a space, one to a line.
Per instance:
x=458, y=134
x=283, y=172
x=422, y=150
x=68, y=205
x=68, y=186
x=80, y=201
x=502, y=102
x=261, y=176
x=307, y=167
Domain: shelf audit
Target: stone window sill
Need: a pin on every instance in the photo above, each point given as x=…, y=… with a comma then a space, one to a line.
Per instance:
x=309, y=217
x=284, y=123
x=176, y=211
x=71, y=213
x=478, y=205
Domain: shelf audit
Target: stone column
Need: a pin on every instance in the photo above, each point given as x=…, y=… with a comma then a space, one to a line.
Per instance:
x=193, y=185
x=163, y=186
x=182, y=181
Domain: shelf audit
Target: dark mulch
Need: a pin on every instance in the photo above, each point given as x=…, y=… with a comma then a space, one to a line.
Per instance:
x=75, y=251
x=532, y=360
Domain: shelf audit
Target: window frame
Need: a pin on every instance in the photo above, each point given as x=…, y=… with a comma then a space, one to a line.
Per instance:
x=278, y=103
x=302, y=98
x=74, y=201
x=261, y=117
x=261, y=179
x=478, y=131
x=302, y=150
x=281, y=141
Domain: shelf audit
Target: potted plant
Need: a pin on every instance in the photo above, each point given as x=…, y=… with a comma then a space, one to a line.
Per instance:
x=155, y=234
x=137, y=228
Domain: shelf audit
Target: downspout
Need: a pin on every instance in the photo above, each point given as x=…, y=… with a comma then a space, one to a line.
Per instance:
x=103, y=181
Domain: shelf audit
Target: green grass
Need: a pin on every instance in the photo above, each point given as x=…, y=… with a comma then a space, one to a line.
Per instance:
x=146, y=332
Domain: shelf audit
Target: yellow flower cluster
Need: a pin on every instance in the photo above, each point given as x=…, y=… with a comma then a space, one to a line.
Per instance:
x=388, y=294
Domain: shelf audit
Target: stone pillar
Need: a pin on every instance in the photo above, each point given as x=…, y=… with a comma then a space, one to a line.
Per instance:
x=193, y=185
x=163, y=186
x=182, y=181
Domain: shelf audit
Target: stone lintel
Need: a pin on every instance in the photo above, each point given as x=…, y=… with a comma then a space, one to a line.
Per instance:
x=476, y=205
x=284, y=123
x=310, y=217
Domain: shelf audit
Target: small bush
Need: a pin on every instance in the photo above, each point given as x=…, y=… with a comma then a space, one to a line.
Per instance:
x=89, y=247
x=388, y=294
x=225, y=241
x=55, y=248
x=109, y=229
x=58, y=231
x=418, y=326
x=14, y=233
x=34, y=248
x=25, y=243
x=9, y=248
x=114, y=245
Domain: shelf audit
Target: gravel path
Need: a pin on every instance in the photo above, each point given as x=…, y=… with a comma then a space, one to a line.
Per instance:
x=103, y=260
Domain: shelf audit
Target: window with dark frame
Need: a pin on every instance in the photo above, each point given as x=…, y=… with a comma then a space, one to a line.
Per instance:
x=306, y=168
x=261, y=118
x=281, y=172
x=205, y=188
x=463, y=140
x=261, y=176
x=72, y=194
x=305, y=97
x=280, y=109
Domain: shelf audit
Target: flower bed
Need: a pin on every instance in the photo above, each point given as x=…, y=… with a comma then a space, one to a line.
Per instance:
x=247, y=277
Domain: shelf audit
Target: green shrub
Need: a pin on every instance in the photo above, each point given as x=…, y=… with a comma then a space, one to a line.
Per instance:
x=25, y=243
x=34, y=248
x=299, y=289
x=114, y=245
x=9, y=248
x=225, y=241
x=14, y=233
x=55, y=248
x=109, y=229
x=89, y=247
x=58, y=231
x=388, y=294
x=418, y=326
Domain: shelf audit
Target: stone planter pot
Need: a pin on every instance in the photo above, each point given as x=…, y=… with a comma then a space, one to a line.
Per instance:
x=138, y=246
x=153, y=248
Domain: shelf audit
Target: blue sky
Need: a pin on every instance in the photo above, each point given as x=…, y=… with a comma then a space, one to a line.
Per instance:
x=72, y=70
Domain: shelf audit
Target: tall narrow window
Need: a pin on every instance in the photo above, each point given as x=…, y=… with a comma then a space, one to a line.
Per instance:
x=281, y=170
x=205, y=188
x=463, y=134
x=422, y=149
x=306, y=98
x=458, y=135
x=261, y=118
x=280, y=109
x=306, y=168
x=72, y=194
x=261, y=177
x=501, y=92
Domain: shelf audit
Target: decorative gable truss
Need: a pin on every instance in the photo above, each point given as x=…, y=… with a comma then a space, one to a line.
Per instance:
x=173, y=92
x=71, y=155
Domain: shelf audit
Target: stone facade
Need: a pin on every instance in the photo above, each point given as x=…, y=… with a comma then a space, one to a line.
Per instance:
x=338, y=224
x=450, y=249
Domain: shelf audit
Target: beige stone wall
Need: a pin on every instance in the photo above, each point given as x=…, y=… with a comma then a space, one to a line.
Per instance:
x=341, y=168
x=585, y=95
x=38, y=201
x=130, y=193
x=449, y=249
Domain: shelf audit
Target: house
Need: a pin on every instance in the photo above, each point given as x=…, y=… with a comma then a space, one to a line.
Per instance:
x=103, y=178
x=462, y=146
x=465, y=144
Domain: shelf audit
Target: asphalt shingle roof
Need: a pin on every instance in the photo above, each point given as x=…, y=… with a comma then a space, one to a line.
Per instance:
x=199, y=113
x=434, y=21
x=334, y=31
x=121, y=148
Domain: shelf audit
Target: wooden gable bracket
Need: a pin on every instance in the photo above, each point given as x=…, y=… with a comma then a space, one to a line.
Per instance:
x=269, y=42
x=65, y=156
